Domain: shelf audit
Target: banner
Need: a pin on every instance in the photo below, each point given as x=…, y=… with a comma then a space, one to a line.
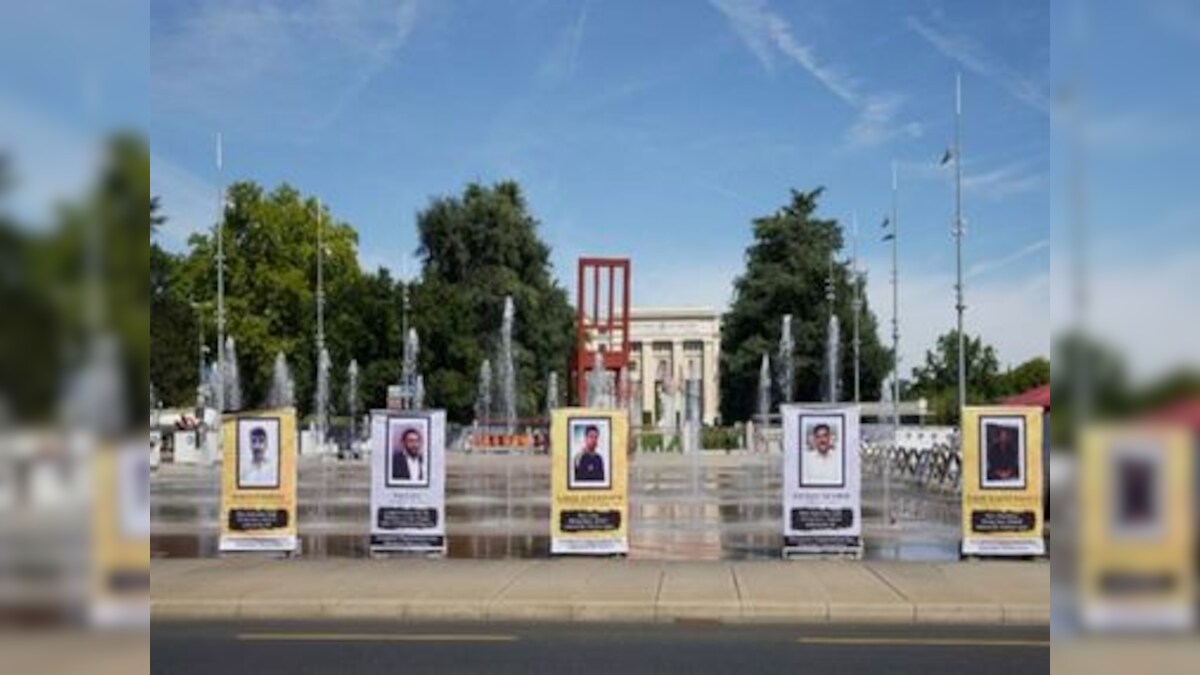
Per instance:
x=1137, y=555
x=258, y=487
x=1002, y=508
x=408, y=481
x=589, y=513
x=121, y=535
x=822, y=493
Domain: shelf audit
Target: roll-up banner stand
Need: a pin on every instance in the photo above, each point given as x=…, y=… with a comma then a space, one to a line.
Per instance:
x=822, y=494
x=408, y=481
x=589, y=512
x=1002, y=507
x=258, y=486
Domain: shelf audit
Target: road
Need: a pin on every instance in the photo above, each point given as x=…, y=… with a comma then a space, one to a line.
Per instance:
x=300, y=648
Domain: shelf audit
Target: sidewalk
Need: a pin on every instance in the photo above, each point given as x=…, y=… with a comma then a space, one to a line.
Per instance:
x=603, y=590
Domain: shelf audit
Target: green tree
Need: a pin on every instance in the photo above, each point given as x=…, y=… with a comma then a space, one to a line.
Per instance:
x=1033, y=373
x=937, y=380
x=787, y=268
x=477, y=248
x=270, y=284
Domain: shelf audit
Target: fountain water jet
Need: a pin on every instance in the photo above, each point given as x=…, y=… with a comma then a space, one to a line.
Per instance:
x=352, y=399
x=551, y=392
x=322, y=398
x=483, y=395
x=787, y=360
x=764, y=390
x=508, y=374
x=283, y=390
x=833, y=361
x=231, y=382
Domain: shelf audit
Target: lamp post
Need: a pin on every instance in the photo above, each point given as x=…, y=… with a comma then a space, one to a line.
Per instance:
x=959, y=305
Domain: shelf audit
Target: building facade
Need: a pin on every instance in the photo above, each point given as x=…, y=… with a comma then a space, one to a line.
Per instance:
x=668, y=348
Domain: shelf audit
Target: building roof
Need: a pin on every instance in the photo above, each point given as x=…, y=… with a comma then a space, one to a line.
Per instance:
x=666, y=313
x=1184, y=411
x=1038, y=396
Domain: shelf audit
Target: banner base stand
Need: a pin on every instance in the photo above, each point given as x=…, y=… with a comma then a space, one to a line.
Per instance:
x=287, y=546
x=377, y=553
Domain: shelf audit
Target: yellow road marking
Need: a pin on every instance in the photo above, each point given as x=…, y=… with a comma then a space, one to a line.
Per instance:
x=920, y=642
x=370, y=637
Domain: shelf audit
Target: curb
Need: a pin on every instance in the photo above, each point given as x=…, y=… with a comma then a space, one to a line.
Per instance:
x=601, y=612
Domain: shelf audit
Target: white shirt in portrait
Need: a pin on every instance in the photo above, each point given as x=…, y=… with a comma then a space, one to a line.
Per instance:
x=821, y=469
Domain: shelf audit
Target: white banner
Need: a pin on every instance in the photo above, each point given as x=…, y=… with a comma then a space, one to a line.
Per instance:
x=408, y=481
x=822, y=493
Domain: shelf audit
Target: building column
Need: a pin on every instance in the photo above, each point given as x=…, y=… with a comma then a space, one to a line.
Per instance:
x=647, y=375
x=710, y=374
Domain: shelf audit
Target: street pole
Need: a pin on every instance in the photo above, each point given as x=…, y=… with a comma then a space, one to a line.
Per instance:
x=887, y=474
x=856, y=307
x=831, y=366
x=220, y=390
x=958, y=237
x=322, y=395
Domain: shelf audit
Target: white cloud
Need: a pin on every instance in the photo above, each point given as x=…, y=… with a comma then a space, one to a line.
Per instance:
x=1010, y=314
x=1140, y=305
x=296, y=65
x=188, y=201
x=1003, y=182
x=975, y=58
x=51, y=161
x=767, y=34
x=993, y=264
x=562, y=60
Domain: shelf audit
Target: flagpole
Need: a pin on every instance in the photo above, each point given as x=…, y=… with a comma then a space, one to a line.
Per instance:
x=960, y=307
x=219, y=394
x=887, y=474
x=856, y=306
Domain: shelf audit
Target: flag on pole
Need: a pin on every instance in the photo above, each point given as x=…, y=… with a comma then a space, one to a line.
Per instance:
x=889, y=236
x=886, y=221
x=949, y=155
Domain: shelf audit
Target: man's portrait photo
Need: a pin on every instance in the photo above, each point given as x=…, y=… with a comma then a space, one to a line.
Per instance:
x=1003, y=461
x=590, y=453
x=258, y=454
x=822, y=451
x=1137, y=491
x=408, y=452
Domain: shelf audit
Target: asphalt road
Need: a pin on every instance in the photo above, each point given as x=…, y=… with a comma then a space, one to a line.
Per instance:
x=299, y=648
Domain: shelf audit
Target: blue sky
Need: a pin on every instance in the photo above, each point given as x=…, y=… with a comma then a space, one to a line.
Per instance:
x=651, y=130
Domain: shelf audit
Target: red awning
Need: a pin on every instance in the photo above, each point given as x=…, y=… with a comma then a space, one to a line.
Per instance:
x=1038, y=396
x=1185, y=412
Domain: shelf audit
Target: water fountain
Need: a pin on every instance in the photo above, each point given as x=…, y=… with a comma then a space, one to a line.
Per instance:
x=832, y=361
x=322, y=398
x=691, y=408
x=483, y=394
x=551, y=392
x=666, y=401
x=409, y=369
x=283, y=390
x=597, y=394
x=352, y=399
x=787, y=360
x=231, y=382
x=764, y=390
x=507, y=374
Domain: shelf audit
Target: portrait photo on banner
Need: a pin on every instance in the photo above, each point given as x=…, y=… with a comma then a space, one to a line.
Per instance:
x=822, y=451
x=258, y=453
x=133, y=476
x=1002, y=441
x=408, y=457
x=1137, y=473
x=589, y=451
